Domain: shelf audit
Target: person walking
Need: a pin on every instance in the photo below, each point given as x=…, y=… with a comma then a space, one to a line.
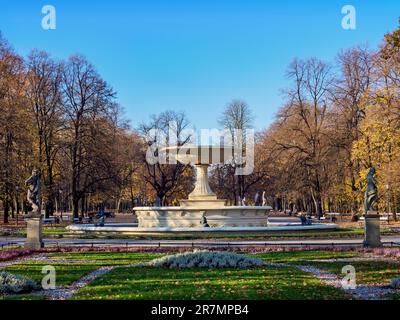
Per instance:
x=101, y=216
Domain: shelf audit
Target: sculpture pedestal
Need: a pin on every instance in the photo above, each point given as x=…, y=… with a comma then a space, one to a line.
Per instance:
x=372, y=237
x=34, y=233
x=202, y=189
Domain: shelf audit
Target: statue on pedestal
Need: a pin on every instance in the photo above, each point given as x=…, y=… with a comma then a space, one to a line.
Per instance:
x=33, y=197
x=257, y=201
x=34, y=220
x=371, y=193
x=264, y=199
x=372, y=236
x=204, y=222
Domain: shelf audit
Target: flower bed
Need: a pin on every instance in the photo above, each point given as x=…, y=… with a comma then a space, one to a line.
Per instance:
x=15, y=284
x=204, y=259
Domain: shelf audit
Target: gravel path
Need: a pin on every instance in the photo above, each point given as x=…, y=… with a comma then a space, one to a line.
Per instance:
x=366, y=258
x=63, y=293
x=361, y=292
x=37, y=257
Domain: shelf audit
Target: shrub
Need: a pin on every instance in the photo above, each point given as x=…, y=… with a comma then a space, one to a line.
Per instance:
x=12, y=284
x=395, y=283
x=204, y=259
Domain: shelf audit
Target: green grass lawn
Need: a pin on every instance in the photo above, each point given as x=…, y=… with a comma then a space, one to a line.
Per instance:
x=47, y=231
x=298, y=257
x=259, y=283
x=370, y=272
x=120, y=258
x=108, y=258
x=126, y=282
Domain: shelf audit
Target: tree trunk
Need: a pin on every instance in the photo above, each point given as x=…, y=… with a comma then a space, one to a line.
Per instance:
x=83, y=198
x=6, y=211
x=12, y=210
x=17, y=206
x=75, y=207
x=49, y=210
x=318, y=204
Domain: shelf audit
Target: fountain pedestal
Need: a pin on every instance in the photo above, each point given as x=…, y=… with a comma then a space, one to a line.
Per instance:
x=202, y=196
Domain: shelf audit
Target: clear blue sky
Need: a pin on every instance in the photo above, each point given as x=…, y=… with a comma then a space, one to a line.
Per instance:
x=196, y=55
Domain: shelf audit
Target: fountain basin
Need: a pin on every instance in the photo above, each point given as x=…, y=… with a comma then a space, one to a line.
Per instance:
x=190, y=216
x=133, y=229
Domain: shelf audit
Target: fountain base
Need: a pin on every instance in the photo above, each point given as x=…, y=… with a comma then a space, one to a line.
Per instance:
x=203, y=203
x=190, y=216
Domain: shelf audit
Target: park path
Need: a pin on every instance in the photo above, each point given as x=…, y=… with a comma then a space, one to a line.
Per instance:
x=361, y=292
x=35, y=257
x=66, y=242
x=67, y=292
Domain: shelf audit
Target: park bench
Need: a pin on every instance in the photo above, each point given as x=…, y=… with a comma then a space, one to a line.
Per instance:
x=51, y=220
x=386, y=218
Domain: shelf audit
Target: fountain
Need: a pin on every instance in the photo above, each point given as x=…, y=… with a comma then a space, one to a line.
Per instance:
x=202, y=202
x=202, y=212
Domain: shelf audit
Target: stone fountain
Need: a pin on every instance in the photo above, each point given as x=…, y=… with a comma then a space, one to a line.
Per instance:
x=202, y=202
x=202, y=212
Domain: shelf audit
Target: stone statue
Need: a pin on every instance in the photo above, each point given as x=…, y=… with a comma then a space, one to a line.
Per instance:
x=371, y=193
x=257, y=202
x=305, y=221
x=372, y=235
x=157, y=202
x=264, y=199
x=33, y=197
x=204, y=222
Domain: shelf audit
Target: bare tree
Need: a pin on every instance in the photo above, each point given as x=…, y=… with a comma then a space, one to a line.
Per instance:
x=164, y=178
x=87, y=103
x=305, y=114
x=43, y=92
x=13, y=126
x=350, y=95
x=238, y=116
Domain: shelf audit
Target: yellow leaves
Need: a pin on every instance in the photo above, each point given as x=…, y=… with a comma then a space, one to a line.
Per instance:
x=378, y=145
x=379, y=141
